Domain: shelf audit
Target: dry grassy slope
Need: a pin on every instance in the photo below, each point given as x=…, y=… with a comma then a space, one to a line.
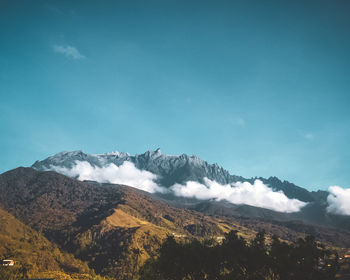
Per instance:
x=33, y=252
x=195, y=224
x=141, y=223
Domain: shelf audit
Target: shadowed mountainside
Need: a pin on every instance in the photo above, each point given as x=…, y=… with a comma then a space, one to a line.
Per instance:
x=116, y=228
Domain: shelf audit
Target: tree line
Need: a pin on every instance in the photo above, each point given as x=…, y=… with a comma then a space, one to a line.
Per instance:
x=236, y=259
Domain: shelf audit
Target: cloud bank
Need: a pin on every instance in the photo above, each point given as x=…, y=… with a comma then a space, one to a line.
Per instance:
x=256, y=194
x=68, y=51
x=338, y=200
x=126, y=174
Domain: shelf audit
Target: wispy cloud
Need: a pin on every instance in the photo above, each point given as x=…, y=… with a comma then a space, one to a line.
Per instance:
x=308, y=136
x=256, y=194
x=68, y=51
x=338, y=200
x=54, y=9
x=237, y=121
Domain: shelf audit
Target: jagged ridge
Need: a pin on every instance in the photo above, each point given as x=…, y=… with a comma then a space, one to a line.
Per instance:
x=173, y=169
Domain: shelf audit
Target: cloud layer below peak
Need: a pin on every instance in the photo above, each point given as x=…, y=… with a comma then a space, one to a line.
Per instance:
x=257, y=194
x=338, y=200
x=125, y=174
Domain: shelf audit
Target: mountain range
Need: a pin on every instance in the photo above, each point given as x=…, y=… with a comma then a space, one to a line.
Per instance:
x=170, y=170
x=82, y=220
x=173, y=169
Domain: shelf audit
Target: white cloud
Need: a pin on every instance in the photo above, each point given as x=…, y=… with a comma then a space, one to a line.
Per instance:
x=126, y=174
x=338, y=200
x=68, y=51
x=256, y=194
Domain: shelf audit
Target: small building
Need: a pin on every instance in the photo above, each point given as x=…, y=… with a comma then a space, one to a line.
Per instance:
x=8, y=262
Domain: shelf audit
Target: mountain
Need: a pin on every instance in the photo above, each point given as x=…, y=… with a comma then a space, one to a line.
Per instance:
x=170, y=169
x=115, y=228
x=112, y=227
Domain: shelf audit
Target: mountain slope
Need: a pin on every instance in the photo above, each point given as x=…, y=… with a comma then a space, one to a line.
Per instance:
x=33, y=253
x=48, y=201
x=116, y=228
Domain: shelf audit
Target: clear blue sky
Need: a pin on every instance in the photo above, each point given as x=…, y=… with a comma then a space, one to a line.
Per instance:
x=260, y=87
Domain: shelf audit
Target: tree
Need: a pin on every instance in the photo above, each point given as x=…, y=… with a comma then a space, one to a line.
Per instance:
x=235, y=259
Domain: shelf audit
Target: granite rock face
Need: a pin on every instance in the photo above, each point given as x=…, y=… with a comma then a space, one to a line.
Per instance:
x=171, y=169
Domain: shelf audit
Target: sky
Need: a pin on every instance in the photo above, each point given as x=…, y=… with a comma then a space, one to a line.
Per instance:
x=259, y=87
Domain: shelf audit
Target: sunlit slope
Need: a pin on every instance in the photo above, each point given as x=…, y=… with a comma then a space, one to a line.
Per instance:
x=121, y=242
x=33, y=253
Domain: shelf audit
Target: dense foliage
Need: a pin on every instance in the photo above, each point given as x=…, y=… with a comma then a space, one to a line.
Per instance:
x=236, y=259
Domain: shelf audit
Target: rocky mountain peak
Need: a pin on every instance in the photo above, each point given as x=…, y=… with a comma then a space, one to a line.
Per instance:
x=169, y=170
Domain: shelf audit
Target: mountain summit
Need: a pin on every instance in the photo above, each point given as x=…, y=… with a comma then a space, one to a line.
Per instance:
x=169, y=169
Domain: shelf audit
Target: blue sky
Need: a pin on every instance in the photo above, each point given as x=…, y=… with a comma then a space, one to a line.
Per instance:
x=260, y=87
